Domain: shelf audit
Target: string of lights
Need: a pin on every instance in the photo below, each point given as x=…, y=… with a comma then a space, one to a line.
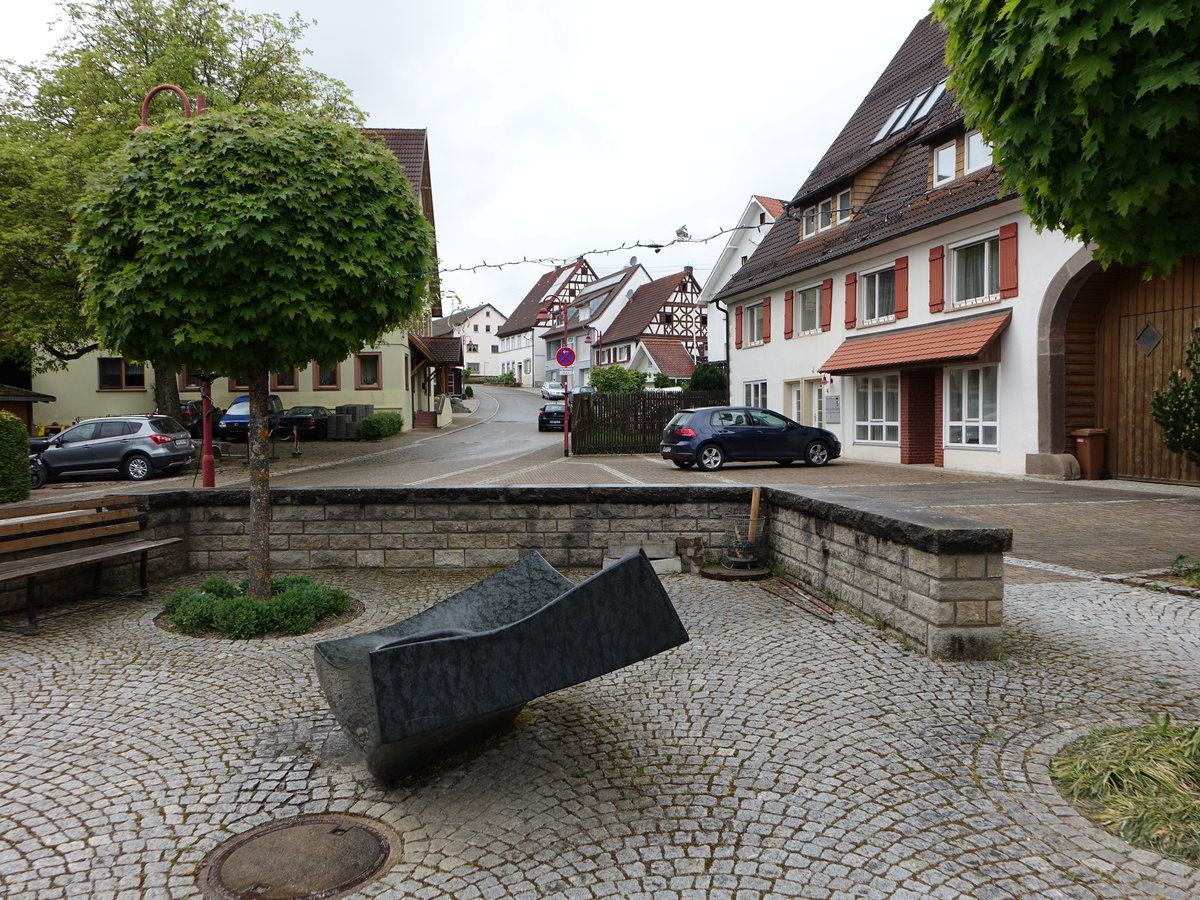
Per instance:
x=682, y=236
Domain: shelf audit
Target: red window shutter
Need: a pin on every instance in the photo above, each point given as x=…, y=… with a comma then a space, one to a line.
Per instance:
x=937, y=279
x=826, y=304
x=787, y=314
x=1008, y=260
x=902, y=288
x=766, y=320
x=737, y=328
x=851, y=300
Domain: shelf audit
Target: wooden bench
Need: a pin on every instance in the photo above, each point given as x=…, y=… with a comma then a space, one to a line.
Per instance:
x=44, y=539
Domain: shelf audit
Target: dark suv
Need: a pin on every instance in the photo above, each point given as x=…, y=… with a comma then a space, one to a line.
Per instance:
x=714, y=435
x=235, y=424
x=135, y=446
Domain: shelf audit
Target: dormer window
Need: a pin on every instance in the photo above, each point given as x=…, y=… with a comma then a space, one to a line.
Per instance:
x=959, y=157
x=945, y=158
x=824, y=215
x=910, y=111
x=979, y=152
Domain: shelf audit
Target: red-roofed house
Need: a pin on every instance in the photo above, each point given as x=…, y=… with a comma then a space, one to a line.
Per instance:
x=903, y=300
x=662, y=328
x=520, y=352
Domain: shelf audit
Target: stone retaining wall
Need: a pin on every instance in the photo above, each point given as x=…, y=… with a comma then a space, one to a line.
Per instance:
x=933, y=579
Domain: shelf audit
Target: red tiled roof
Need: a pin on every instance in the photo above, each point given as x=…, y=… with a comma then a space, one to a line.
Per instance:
x=525, y=316
x=773, y=207
x=671, y=357
x=441, y=350
x=408, y=146
x=963, y=339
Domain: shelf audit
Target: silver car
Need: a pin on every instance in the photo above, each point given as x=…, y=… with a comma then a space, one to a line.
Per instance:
x=134, y=446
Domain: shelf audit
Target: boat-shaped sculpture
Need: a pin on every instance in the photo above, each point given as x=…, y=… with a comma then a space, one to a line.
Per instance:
x=435, y=683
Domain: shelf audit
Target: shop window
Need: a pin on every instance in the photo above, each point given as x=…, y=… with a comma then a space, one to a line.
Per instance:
x=877, y=409
x=972, y=407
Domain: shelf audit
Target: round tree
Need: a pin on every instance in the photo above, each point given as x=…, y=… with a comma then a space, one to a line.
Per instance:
x=1093, y=109
x=249, y=243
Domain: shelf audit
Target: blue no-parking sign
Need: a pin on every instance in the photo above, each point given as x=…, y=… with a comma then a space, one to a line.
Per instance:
x=565, y=356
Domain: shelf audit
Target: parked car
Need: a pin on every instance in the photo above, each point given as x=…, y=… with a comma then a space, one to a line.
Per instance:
x=135, y=446
x=236, y=422
x=714, y=435
x=552, y=416
x=308, y=421
x=584, y=390
x=191, y=415
x=554, y=390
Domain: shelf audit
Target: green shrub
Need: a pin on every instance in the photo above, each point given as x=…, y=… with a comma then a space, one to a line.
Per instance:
x=707, y=378
x=662, y=380
x=297, y=604
x=507, y=378
x=14, y=459
x=468, y=392
x=377, y=426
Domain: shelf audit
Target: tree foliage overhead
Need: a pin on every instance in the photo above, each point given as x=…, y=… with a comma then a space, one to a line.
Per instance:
x=253, y=237
x=1093, y=108
x=59, y=118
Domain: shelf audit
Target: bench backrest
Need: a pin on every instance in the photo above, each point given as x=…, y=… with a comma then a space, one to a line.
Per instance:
x=58, y=525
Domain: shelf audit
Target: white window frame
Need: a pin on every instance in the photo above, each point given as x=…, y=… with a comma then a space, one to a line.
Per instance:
x=752, y=325
x=868, y=297
x=843, y=207
x=806, y=327
x=991, y=271
x=952, y=147
x=977, y=152
x=877, y=409
x=972, y=401
x=809, y=220
x=756, y=393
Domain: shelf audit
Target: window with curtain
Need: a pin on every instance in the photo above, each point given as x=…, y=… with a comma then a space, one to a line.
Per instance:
x=877, y=297
x=877, y=409
x=977, y=272
x=810, y=309
x=972, y=406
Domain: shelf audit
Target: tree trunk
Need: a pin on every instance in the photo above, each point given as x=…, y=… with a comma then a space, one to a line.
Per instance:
x=166, y=390
x=258, y=449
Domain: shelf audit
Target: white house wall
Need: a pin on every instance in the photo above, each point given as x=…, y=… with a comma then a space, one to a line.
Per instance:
x=785, y=364
x=742, y=243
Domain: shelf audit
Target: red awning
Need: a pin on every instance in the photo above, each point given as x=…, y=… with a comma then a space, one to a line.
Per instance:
x=965, y=339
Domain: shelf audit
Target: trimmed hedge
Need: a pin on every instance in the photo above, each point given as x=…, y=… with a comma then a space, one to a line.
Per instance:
x=297, y=604
x=379, y=425
x=14, y=459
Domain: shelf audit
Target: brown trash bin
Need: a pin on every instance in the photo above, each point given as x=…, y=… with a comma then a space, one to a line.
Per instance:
x=1089, y=450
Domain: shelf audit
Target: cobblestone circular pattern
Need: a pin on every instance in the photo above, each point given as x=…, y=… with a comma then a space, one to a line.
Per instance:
x=774, y=755
x=303, y=858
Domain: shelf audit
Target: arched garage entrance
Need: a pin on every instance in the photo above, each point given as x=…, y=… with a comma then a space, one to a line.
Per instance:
x=1108, y=340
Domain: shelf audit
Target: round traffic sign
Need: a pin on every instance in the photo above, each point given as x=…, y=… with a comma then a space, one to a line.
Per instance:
x=565, y=356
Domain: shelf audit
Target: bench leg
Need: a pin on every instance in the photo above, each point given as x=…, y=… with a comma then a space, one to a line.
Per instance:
x=142, y=574
x=31, y=606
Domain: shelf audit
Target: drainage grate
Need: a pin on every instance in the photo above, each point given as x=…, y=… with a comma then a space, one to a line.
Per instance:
x=305, y=858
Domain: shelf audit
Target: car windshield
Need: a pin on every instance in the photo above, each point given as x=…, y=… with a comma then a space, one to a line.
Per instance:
x=302, y=411
x=241, y=408
x=553, y=407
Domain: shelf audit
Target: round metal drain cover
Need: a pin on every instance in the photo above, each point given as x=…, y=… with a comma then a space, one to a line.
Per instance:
x=305, y=858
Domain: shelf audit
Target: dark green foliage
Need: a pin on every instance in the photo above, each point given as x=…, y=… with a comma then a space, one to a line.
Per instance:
x=14, y=459
x=468, y=392
x=379, y=425
x=1176, y=410
x=507, y=378
x=617, y=380
x=1093, y=108
x=297, y=604
x=662, y=380
x=251, y=237
x=707, y=378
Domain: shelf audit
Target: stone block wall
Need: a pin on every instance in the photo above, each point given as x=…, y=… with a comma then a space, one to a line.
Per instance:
x=935, y=579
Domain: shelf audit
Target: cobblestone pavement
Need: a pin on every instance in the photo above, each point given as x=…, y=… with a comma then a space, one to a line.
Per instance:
x=774, y=755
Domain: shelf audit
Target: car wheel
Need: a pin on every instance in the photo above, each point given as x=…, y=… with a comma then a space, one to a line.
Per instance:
x=682, y=465
x=37, y=477
x=541, y=428
x=710, y=458
x=785, y=462
x=817, y=453
x=137, y=467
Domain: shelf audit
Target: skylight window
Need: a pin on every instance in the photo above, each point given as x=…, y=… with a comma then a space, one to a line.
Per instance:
x=913, y=111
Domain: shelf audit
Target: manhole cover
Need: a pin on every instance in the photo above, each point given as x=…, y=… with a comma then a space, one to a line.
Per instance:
x=305, y=858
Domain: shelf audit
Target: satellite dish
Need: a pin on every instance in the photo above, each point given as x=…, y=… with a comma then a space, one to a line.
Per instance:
x=629, y=294
x=633, y=260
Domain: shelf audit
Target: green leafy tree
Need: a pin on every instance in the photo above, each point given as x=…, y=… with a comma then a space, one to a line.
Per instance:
x=617, y=380
x=1093, y=108
x=251, y=242
x=707, y=378
x=59, y=118
x=1177, y=409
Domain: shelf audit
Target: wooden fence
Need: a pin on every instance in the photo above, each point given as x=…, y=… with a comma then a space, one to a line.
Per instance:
x=631, y=423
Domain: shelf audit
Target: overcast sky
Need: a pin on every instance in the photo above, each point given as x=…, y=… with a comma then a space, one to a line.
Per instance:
x=559, y=128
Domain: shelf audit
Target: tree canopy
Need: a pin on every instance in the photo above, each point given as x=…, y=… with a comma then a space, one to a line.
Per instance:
x=251, y=242
x=60, y=117
x=1093, y=109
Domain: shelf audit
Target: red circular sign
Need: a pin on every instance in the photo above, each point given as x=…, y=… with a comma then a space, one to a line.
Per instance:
x=565, y=356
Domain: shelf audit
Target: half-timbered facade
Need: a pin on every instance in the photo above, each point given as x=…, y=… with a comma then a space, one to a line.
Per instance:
x=521, y=350
x=663, y=322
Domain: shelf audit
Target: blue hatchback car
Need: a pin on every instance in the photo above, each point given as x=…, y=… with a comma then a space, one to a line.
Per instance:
x=711, y=436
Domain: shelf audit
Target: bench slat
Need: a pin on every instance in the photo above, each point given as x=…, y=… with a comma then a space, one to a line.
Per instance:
x=24, y=568
x=68, y=537
x=61, y=520
x=14, y=512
